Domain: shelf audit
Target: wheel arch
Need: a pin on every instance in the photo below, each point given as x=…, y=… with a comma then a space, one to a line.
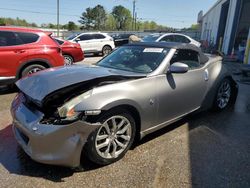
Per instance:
x=135, y=114
x=42, y=62
x=210, y=96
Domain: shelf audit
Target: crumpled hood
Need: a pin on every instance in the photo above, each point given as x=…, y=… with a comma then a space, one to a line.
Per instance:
x=39, y=85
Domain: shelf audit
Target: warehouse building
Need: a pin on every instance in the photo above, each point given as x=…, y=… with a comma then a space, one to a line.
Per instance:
x=226, y=25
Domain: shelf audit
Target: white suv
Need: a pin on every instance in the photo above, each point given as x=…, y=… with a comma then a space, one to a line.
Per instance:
x=94, y=42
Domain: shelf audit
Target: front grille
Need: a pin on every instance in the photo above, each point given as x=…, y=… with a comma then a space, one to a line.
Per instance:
x=23, y=136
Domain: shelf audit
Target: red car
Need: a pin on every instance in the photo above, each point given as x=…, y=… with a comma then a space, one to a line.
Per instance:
x=25, y=51
x=72, y=52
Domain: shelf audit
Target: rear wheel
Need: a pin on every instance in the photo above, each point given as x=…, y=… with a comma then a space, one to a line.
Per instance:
x=224, y=95
x=68, y=60
x=32, y=69
x=106, y=50
x=112, y=140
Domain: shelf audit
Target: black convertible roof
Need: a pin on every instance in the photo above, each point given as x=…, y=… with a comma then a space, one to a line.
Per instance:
x=183, y=46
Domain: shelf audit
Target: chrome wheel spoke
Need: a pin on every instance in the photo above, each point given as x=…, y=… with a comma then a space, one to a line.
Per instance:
x=113, y=154
x=102, y=145
x=106, y=127
x=102, y=137
x=120, y=124
x=114, y=125
x=123, y=130
x=120, y=144
x=107, y=150
x=127, y=138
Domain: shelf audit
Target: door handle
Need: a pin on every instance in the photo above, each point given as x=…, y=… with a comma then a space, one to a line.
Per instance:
x=206, y=75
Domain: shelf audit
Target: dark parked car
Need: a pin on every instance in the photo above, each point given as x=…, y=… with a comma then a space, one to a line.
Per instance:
x=72, y=52
x=25, y=51
x=121, y=39
x=136, y=90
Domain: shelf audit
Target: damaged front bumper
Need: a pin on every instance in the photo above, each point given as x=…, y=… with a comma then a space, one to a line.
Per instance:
x=48, y=143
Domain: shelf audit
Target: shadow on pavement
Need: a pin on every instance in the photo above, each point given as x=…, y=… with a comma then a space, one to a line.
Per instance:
x=219, y=146
x=7, y=90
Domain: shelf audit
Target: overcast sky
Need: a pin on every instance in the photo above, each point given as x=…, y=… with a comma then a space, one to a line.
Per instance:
x=172, y=13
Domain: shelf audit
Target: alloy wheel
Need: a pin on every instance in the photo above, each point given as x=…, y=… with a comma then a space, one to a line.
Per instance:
x=224, y=94
x=34, y=70
x=68, y=60
x=113, y=137
x=106, y=50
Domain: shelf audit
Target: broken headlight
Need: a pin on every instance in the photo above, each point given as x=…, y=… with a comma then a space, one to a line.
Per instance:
x=68, y=110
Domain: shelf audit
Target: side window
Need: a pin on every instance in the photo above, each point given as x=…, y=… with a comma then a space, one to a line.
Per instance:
x=99, y=36
x=189, y=57
x=85, y=37
x=169, y=38
x=27, y=38
x=181, y=39
x=8, y=38
x=60, y=42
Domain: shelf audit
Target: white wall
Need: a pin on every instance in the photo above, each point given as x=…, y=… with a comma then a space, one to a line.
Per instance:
x=229, y=26
x=210, y=23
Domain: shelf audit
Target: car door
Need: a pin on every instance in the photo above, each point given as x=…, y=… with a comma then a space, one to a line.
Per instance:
x=11, y=52
x=99, y=41
x=181, y=93
x=85, y=41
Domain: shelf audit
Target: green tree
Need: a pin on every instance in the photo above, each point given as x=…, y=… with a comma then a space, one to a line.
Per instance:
x=100, y=17
x=110, y=23
x=2, y=21
x=71, y=26
x=93, y=18
x=122, y=17
x=194, y=26
x=153, y=25
x=52, y=26
x=16, y=22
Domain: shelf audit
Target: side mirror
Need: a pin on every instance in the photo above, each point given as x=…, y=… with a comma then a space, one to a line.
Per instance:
x=178, y=68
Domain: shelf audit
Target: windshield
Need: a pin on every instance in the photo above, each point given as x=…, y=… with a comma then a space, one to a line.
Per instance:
x=72, y=36
x=150, y=38
x=137, y=59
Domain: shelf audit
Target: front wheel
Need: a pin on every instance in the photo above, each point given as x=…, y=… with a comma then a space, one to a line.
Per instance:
x=224, y=95
x=112, y=140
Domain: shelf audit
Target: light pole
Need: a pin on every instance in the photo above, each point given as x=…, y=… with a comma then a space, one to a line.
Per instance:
x=58, y=18
x=133, y=19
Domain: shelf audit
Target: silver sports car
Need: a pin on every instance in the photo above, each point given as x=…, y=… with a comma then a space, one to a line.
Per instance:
x=139, y=88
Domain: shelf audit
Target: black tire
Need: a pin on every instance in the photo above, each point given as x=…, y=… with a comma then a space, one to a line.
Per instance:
x=91, y=146
x=218, y=103
x=106, y=50
x=68, y=60
x=32, y=69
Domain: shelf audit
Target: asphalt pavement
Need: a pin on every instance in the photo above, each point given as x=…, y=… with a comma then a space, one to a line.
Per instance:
x=203, y=150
